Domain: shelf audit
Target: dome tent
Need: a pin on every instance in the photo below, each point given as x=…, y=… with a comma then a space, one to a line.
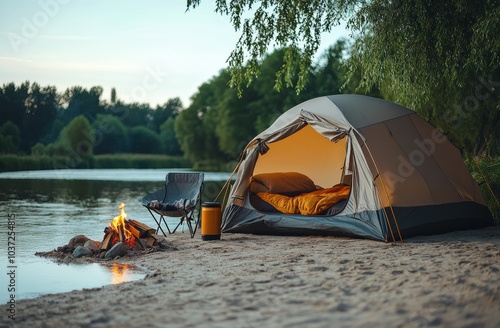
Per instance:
x=405, y=177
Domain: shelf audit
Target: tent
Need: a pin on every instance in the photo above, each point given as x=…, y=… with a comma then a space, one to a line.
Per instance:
x=405, y=178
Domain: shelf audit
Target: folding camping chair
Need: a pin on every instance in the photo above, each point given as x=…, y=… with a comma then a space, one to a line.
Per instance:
x=180, y=197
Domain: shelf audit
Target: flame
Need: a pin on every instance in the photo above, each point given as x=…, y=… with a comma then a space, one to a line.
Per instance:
x=118, y=224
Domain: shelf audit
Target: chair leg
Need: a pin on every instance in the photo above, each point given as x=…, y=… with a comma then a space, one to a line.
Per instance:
x=197, y=222
x=191, y=231
x=158, y=223
x=178, y=224
x=166, y=225
x=188, y=220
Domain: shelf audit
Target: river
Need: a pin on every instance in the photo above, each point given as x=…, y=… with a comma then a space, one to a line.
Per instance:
x=45, y=209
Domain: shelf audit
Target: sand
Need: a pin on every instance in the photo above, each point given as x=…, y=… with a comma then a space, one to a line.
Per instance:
x=449, y=280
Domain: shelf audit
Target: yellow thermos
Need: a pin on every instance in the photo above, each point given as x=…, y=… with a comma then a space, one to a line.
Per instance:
x=210, y=220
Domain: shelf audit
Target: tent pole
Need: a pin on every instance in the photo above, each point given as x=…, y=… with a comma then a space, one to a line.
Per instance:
x=386, y=194
x=226, y=184
x=386, y=215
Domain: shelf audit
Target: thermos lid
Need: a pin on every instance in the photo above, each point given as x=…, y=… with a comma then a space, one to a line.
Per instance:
x=210, y=204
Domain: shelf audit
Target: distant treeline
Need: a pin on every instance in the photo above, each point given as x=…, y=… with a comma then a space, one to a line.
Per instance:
x=77, y=124
x=12, y=162
x=210, y=133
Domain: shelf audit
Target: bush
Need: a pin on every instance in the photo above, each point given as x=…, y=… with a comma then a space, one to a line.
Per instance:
x=38, y=149
x=144, y=141
x=486, y=171
x=136, y=161
x=139, y=161
x=210, y=166
x=26, y=163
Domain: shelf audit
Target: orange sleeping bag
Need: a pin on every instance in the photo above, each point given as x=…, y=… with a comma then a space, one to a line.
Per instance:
x=310, y=203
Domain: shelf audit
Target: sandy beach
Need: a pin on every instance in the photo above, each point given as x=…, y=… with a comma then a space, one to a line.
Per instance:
x=449, y=280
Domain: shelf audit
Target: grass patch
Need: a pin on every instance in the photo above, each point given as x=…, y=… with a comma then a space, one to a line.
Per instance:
x=486, y=171
x=139, y=161
x=134, y=161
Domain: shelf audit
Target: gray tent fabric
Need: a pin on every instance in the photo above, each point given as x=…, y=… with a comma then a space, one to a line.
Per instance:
x=406, y=177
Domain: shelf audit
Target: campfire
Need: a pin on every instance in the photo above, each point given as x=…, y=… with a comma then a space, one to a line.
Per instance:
x=133, y=234
x=121, y=237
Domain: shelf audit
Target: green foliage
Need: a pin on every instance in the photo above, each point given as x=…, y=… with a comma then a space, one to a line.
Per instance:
x=78, y=136
x=12, y=100
x=294, y=26
x=133, y=114
x=31, y=108
x=56, y=149
x=44, y=116
x=80, y=101
x=187, y=128
x=440, y=58
x=225, y=122
x=144, y=141
x=139, y=161
x=21, y=163
x=36, y=162
x=168, y=138
x=168, y=110
x=110, y=135
x=38, y=149
x=10, y=138
x=113, y=95
x=195, y=126
x=435, y=57
x=210, y=166
x=486, y=171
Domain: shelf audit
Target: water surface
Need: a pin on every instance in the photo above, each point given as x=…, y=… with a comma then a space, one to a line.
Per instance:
x=51, y=207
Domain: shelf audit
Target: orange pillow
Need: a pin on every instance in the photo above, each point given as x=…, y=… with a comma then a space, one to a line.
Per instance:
x=287, y=183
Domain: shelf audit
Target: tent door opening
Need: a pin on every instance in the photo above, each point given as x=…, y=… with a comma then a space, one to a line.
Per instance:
x=309, y=153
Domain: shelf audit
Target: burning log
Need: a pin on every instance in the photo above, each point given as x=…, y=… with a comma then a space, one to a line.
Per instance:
x=107, y=239
x=131, y=232
x=139, y=229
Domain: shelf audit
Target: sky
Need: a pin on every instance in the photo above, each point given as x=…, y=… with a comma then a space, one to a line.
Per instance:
x=150, y=51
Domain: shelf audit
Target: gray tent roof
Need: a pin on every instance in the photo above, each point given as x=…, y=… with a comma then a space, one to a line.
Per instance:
x=362, y=111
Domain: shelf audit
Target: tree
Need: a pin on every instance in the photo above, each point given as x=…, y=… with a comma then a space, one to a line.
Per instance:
x=78, y=137
x=295, y=26
x=12, y=102
x=38, y=149
x=40, y=110
x=168, y=138
x=171, y=108
x=10, y=138
x=31, y=108
x=113, y=96
x=144, y=141
x=80, y=101
x=196, y=133
x=427, y=55
x=131, y=115
x=439, y=58
x=110, y=135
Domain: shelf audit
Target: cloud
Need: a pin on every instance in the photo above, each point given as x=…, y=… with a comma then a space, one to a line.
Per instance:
x=68, y=37
x=115, y=66
x=16, y=59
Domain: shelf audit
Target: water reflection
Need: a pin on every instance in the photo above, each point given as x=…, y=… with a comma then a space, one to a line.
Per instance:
x=120, y=273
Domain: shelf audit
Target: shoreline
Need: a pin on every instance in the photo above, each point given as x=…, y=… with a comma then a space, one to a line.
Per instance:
x=448, y=280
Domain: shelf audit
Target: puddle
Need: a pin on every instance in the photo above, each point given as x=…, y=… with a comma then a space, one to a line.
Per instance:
x=42, y=276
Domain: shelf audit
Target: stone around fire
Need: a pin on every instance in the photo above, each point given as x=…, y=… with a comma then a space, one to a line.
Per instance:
x=118, y=250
